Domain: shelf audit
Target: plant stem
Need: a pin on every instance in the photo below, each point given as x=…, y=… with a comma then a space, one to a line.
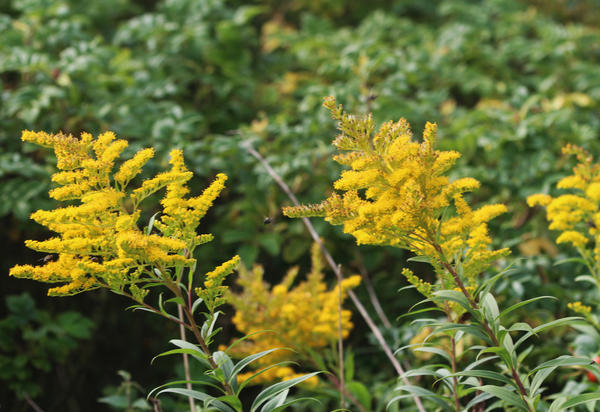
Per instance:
x=372, y=295
x=454, y=379
x=155, y=404
x=361, y=309
x=33, y=405
x=186, y=364
x=193, y=327
x=341, y=343
x=475, y=306
x=452, y=357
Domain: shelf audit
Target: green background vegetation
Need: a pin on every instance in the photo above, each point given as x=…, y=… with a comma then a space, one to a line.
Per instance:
x=508, y=82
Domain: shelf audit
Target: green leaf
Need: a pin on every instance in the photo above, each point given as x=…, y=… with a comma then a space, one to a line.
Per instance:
x=226, y=365
x=349, y=366
x=201, y=380
x=151, y=223
x=539, y=379
x=271, y=242
x=545, y=369
x=361, y=393
x=472, y=329
x=406, y=288
x=524, y=354
x=197, y=353
x=247, y=381
x=75, y=325
x=248, y=360
x=520, y=326
x=141, y=403
x=433, y=349
x=482, y=397
x=411, y=313
x=564, y=360
x=487, y=285
x=478, y=362
x=248, y=336
x=569, y=260
x=185, y=345
x=490, y=309
x=501, y=352
x=200, y=356
x=523, y=303
x=556, y=406
x=277, y=388
x=555, y=323
x=161, y=306
x=580, y=399
x=244, y=14
x=506, y=395
x=424, y=371
x=293, y=401
x=275, y=402
x=176, y=300
x=222, y=407
x=482, y=373
x=116, y=401
x=454, y=296
x=207, y=327
x=442, y=401
x=232, y=400
x=586, y=278
x=421, y=259
x=196, y=303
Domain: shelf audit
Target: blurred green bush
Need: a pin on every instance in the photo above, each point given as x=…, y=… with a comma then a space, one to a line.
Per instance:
x=34, y=341
x=509, y=82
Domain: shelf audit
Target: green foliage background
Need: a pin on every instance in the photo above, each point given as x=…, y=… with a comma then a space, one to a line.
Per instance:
x=509, y=83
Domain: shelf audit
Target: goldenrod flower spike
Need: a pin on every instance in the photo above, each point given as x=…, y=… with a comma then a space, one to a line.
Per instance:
x=132, y=167
x=303, y=317
x=98, y=242
x=576, y=214
x=396, y=193
x=213, y=290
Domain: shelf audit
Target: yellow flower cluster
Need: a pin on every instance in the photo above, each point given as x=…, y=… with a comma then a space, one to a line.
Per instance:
x=580, y=308
x=302, y=317
x=396, y=193
x=213, y=290
x=576, y=214
x=99, y=243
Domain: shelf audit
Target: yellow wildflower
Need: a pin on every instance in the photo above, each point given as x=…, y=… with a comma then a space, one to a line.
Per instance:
x=573, y=237
x=577, y=214
x=593, y=191
x=98, y=241
x=572, y=182
x=213, y=290
x=539, y=199
x=407, y=196
x=580, y=308
x=303, y=318
x=132, y=167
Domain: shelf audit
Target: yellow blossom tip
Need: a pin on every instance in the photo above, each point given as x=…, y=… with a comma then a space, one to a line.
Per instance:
x=539, y=199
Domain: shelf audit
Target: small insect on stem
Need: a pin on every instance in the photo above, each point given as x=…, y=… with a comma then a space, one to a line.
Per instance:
x=267, y=220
